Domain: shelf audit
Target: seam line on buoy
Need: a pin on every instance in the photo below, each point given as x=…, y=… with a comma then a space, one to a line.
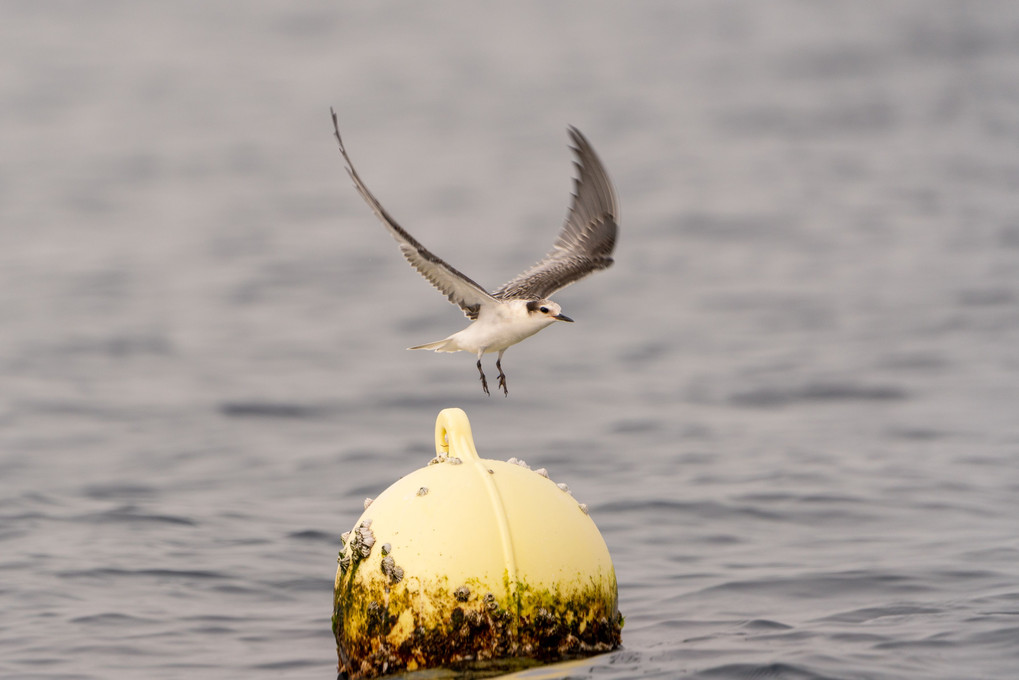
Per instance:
x=509, y=554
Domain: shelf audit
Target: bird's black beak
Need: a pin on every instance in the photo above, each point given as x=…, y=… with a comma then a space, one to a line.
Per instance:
x=562, y=317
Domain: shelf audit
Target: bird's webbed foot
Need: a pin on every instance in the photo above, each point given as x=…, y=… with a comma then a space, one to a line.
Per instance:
x=484, y=381
x=502, y=378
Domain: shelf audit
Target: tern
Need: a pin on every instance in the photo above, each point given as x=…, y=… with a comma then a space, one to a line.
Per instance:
x=521, y=307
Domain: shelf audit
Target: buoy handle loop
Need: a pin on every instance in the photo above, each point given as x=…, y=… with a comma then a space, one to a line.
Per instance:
x=453, y=438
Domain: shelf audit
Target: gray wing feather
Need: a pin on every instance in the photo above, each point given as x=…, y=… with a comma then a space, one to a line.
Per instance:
x=458, y=288
x=587, y=238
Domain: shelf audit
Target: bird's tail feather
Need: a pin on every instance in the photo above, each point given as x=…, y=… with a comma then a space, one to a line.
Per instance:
x=447, y=345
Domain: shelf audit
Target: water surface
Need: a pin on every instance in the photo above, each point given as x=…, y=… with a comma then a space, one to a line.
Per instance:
x=791, y=405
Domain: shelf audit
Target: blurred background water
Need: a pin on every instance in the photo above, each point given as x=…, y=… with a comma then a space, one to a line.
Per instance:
x=792, y=406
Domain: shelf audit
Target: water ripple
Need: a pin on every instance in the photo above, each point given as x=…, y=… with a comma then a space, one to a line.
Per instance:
x=771, y=671
x=817, y=393
x=263, y=409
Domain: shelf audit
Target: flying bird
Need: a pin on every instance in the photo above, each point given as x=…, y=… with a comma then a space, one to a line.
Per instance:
x=521, y=307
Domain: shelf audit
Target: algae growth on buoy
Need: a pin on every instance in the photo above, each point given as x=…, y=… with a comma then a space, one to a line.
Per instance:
x=470, y=561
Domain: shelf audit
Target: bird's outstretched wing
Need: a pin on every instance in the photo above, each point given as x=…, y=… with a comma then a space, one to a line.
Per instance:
x=587, y=238
x=460, y=290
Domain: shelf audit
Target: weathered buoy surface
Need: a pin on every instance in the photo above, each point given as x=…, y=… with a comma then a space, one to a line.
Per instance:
x=468, y=561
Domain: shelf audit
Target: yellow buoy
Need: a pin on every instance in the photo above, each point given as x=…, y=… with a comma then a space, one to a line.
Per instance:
x=467, y=561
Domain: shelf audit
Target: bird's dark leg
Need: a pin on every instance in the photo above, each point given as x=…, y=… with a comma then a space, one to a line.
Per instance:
x=484, y=381
x=502, y=376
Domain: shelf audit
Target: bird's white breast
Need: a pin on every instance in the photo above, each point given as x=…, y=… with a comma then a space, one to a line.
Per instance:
x=499, y=326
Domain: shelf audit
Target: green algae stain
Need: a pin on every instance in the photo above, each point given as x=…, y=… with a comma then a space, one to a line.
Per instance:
x=384, y=627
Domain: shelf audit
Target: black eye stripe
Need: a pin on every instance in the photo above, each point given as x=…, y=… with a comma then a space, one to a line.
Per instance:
x=535, y=306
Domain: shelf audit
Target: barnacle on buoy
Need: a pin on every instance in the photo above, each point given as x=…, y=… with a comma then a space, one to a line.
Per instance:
x=492, y=564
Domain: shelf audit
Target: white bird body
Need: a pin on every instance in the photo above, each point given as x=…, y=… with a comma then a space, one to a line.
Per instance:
x=497, y=328
x=520, y=308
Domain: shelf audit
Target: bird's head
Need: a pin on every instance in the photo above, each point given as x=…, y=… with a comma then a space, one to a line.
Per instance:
x=546, y=308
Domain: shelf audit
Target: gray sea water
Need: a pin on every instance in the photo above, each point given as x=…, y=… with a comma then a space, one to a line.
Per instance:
x=792, y=405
